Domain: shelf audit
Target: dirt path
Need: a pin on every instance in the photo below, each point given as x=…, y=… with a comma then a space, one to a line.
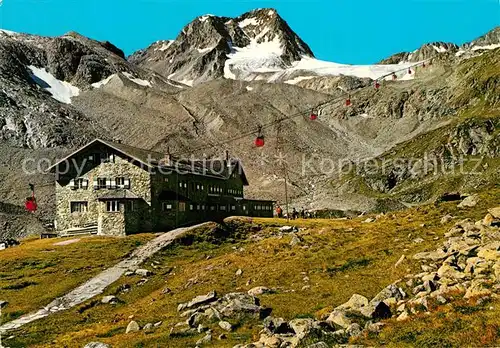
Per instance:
x=96, y=285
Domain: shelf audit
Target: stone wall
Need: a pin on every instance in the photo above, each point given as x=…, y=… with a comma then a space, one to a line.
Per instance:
x=111, y=224
x=139, y=184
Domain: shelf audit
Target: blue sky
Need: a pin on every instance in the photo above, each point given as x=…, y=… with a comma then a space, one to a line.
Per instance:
x=344, y=31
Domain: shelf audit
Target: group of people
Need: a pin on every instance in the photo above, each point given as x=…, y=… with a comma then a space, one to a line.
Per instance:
x=303, y=214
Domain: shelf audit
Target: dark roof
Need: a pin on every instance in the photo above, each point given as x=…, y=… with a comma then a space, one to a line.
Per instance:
x=153, y=159
x=118, y=194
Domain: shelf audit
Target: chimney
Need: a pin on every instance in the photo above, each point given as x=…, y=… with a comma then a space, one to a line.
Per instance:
x=167, y=160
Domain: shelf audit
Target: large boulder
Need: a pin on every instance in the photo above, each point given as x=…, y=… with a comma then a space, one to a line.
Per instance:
x=495, y=212
x=239, y=305
x=198, y=301
x=469, y=202
x=355, y=302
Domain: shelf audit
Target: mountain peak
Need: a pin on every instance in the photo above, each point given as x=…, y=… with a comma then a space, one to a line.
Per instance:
x=257, y=39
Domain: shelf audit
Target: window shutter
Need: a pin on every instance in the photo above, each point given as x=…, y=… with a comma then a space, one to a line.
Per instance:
x=96, y=184
x=72, y=184
x=126, y=183
x=108, y=183
x=113, y=184
x=85, y=184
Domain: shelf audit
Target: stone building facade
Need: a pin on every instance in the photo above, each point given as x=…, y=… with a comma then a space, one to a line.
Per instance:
x=122, y=190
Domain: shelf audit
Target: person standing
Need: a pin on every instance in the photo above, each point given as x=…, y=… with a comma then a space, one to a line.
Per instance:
x=279, y=212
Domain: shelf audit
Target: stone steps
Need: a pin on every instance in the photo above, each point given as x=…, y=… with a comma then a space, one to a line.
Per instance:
x=89, y=230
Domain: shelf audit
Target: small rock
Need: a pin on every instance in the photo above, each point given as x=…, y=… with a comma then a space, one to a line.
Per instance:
x=132, y=327
x=403, y=316
x=418, y=240
x=354, y=330
x=222, y=337
x=143, y=272
x=158, y=324
x=97, y=345
x=3, y=304
x=488, y=220
x=166, y=291
x=447, y=218
x=226, y=326
x=239, y=272
x=429, y=286
x=400, y=261
x=129, y=273
x=148, y=327
x=286, y=229
x=259, y=290
x=206, y=339
x=295, y=240
x=440, y=299
x=369, y=220
x=109, y=299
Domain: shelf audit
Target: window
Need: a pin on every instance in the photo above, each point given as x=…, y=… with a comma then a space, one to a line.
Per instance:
x=130, y=206
x=223, y=208
x=76, y=184
x=100, y=183
x=106, y=157
x=81, y=184
x=79, y=207
x=120, y=182
x=166, y=206
x=191, y=207
x=112, y=206
x=165, y=179
x=233, y=208
x=244, y=208
x=212, y=207
x=182, y=206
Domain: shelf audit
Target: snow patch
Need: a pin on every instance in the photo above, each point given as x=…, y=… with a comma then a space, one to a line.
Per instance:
x=440, y=49
x=136, y=80
x=246, y=22
x=187, y=82
x=323, y=68
x=205, y=18
x=256, y=57
x=270, y=13
x=7, y=32
x=205, y=50
x=103, y=82
x=165, y=46
x=486, y=47
x=61, y=90
x=299, y=79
